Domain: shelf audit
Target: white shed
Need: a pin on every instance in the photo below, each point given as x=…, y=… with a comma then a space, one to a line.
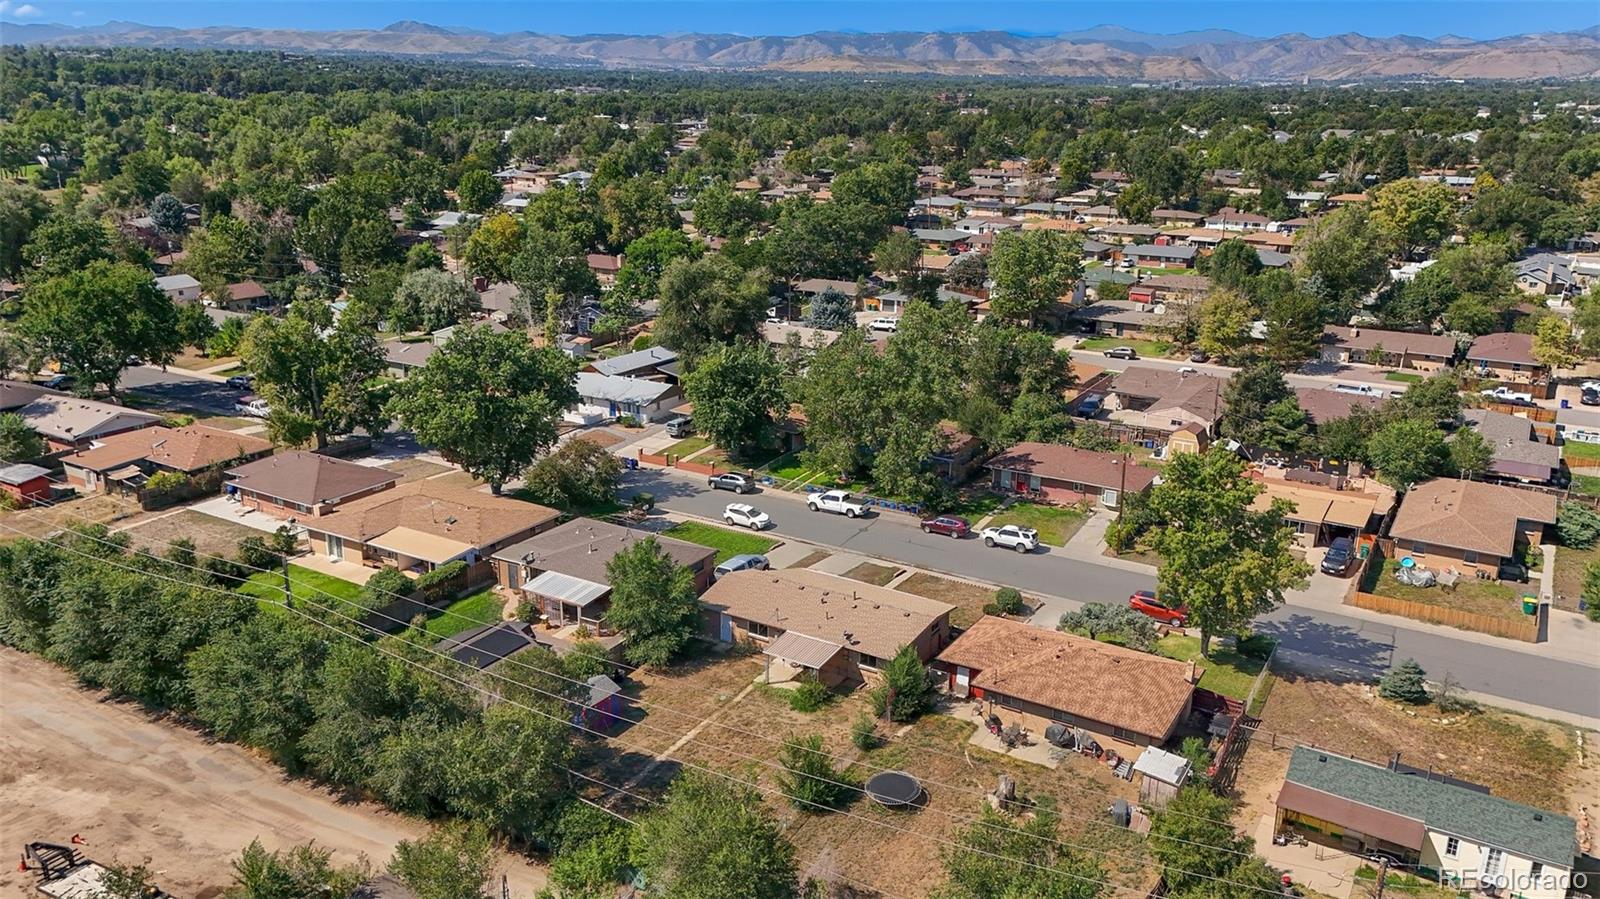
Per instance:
x=1163, y=773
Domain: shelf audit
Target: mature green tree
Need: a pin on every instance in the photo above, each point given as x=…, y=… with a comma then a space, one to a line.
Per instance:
x=843, y=403
x=644, y=261
x=1201, y=857
x=195, y=327
x=833, y=311
x=1436, y=399
x=1294, y=328
x=90, y=321
x=492, y=249
x=714, y=839
x=579, y=474
x=255, y=686
x=1285, y=427
x=1343, y=251
x=225, y=251
x=1099, y=619
x=487, y=401
x=1405, y=682
x=64, y=244
x=591, y=852
x=1586, y=321
x=634, y=208
x=709, y=301
x=1248, y=396
x=888, y=188
x=1470, y=454
x=736, y=390
x=318, y=378
x=505, y=769
x=999, y=856
x=1225, y=321
x=1554, y=344
x=653, y=602
x=897, y=255
x=1233, y=263
x=431, y=299
x=722, y=212
x=18, y=441
x=167, y=213
x=969, y=272
x=291, y=874
x=906, y=692
x=1032, y=271
x=809, y=781
x=1408, y=451
x=822, y=240
x=453, y=861
x=1577, y=525
x=1413, y=216
x=1222, y=558
x=477, y=191
x=22, y=209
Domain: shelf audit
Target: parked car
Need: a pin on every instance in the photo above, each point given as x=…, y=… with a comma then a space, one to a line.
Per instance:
x=253, y=406
x=746, y=516
x=738, y=483
x=1121, y=352
x=1011, y=536
x=1089, y=406
x=744, y=562
x=839, y=502
x=1506, y=395
x=948, y=525
x=60, y=382
x=1590, y=396
x=680, y=427
x=1188, y=370
x=884, y=325
x=1512, y=570
x=1341, y=552
x=242, y=382
x=1145, y=602
x=1358, y=389
x=1199, y=356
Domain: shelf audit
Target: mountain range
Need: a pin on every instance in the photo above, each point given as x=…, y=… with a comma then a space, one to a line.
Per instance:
x=1105, y=52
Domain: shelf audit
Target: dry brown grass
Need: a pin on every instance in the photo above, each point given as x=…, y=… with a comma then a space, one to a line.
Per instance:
x=602, y=439
x=40, y=521
x=212, y=536
x=872, y=573
x=414, y=469
x=811, y=558
x=1570, y=565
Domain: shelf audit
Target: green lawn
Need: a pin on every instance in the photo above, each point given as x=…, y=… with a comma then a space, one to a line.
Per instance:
x=686, y=446
x=305, y=584
x=1403, y=376
x=1142, y=347
x=1470, y=594
x=1055, y=524
x=1574, y=449
x=1586, y=484
x=727, y=543
x=974, y=505
x=482, y=607
x=1226, y=672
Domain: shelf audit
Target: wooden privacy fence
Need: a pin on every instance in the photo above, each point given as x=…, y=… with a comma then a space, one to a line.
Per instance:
x=1525, y=629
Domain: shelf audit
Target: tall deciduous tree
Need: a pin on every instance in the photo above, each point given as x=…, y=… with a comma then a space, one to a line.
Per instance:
x=736, y=390
x=840, y=393
x=293, y=873
x=452, y=862
x=713, y=839
x=1248, y=396
x=708, y=301
x=1201, y=857
x=1407, y=452
x=18, y=442
x=317, y=378
x=491, y=251
x=1032, y=270
x=478, y=191
x=1225, y=321
x=1222, y=558
x=22, y=209
x=1294, y=328
x=1001, y=857
x=93, y=319
x=1553, y=343
x=64, y=244
x=1343, y=251
x=431, y=299
x=225, y=251
x=1414, y=215
x=487, y=401
x=653, y=602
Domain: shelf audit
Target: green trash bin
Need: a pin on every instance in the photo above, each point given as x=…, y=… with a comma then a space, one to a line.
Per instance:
x=1530, y=604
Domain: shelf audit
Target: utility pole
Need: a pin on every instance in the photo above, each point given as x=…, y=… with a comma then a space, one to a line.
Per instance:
x=1383, y=876
x=1122, y=486
x=288, y=593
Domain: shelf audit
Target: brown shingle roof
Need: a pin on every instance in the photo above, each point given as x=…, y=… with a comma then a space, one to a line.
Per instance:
x=1396, y=342
x=582, y=547
x=1200, y=394
x=1469, y=515
x=1125, y=688
x=1322, y=405
x=453, y=513
x=180, y=449
x=878, y=620
x=1503, y=347
x=308, y=478
x=1080, y=466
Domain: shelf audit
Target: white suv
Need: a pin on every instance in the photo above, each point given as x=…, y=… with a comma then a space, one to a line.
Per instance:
x=1021, y=539
x=884, y=325
x=746, y=515
x=839, y=502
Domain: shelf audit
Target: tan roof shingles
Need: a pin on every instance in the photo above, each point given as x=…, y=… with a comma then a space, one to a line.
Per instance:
x=1441, y=346
x=582, y=547
x=1469, y=515
x=1125, y=688
x=308, y=478
x=1504, y=347
x=185, y=449
x=1079, y=466
x=878, y=620
x=454, y=513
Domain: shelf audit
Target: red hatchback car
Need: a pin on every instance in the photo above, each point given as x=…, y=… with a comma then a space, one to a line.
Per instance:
x=948, y=525
x=1145, y=603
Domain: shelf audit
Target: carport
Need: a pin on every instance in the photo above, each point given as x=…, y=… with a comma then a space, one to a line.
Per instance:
x=800, y=653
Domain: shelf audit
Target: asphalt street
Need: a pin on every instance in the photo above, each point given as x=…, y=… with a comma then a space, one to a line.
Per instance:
x=1324, y=640
x=175, y=388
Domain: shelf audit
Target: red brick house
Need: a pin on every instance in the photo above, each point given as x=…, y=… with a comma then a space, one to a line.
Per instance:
x=300, y=485
x=1068, y=475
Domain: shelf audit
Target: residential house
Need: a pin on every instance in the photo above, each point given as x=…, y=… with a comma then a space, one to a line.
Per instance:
x=179, y=288
x=1519, y=452
x=835, y=628
x=1230, y=219
x=1396, y=349
x=1126, y=234
x=1275, y=241
x=1163, y=400
x=1290, y=226
x=1176, y=217
x=1128, y=318
x=1049, y=210
x=960, y=456
x=1155, y=256
x=1322, y=405
x=986, y=225
x=1320, y=514
x=1181, y=290
x=614, y=396
x=1338, y=200
x=1546, y=275
x=23, y=484
x=299, y=484
x=424, y=524
x=646, y=363
x=1099, y=215
x=778, y=335
x=816, y=287
x=1469, y=524
x=1096, y=250
x=562, y=570
x=1109, y=176
x=128, y=459
x=941, y=238
x=70, y=423
x=1038, y=677
x=16, y=394
x=1506, y=357
x=1444, y=827
x=405, y=356
x=605, y=268
x=1068, y=475
x=244, y=296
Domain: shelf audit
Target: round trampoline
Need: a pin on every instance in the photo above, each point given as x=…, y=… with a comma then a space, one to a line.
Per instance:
x=894, y=789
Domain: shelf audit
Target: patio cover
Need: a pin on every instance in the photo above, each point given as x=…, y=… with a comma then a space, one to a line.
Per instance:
x=801, y=650
x=566, y=588
x=1164, y=766
x=421, y=545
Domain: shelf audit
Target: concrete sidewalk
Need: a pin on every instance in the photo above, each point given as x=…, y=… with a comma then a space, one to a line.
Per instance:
x=1089, y=545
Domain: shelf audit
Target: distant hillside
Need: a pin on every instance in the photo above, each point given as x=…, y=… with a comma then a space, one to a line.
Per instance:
x=1105, y=52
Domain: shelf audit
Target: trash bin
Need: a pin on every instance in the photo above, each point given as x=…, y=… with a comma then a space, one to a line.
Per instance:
x=1530, y=604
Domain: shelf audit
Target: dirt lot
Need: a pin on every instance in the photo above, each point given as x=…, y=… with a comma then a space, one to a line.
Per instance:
x=415, y=469
x=38, y=522
x=867, y=846
x=969, y=599
x=1570, y=566
x=872, y=573
x=72, y=762
x=1493, y=748
x=811, y=558
x=212, y=536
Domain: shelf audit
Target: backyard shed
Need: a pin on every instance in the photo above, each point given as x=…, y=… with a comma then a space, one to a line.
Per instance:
x=603, y=704
x=25, y=484
x=1163, y=773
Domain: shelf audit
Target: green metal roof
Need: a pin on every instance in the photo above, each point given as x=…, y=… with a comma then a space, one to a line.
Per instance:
x=1518, y=829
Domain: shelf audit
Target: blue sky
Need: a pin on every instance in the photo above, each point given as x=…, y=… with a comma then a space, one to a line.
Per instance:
x=1428, y=18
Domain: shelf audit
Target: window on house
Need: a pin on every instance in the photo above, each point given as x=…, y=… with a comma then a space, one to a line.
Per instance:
x=1006, y=701
x=1492, y=862
x=1534, y=870
x=1469, y=557
x=1417, y=546
x=1452, y=846
x=1122, y=734
x=867, y=661
x=1061, y=716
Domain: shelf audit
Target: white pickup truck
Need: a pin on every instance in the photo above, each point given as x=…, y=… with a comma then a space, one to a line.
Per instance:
x=1507, y=395
x=839, y=502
